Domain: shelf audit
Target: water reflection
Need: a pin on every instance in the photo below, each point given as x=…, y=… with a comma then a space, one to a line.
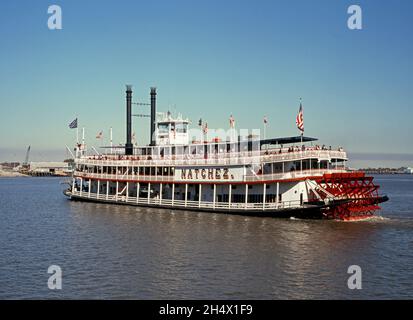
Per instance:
x=172, y=251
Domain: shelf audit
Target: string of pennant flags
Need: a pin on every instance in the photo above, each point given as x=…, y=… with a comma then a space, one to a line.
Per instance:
x=204, y=125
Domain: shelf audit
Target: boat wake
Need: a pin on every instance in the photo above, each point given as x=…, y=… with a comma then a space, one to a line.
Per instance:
x=373, y=218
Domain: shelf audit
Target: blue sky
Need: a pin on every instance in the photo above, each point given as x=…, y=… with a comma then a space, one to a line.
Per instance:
x=208, y=59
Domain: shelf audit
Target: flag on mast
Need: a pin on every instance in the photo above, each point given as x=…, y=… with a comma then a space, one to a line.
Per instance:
x=265, y=120
x=231, y=121
x=73, y=124
x=300, y=119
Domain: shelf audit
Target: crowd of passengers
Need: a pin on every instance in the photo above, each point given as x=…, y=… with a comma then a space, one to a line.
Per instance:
x=192, y=156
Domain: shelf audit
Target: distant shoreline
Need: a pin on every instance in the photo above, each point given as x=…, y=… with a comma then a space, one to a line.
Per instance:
x=386, y=171
x=10, y=173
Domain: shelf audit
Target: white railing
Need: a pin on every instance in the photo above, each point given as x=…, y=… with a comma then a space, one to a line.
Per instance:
x=245, y=178
x=188, y=203
x=239, y=158
x=291, y=175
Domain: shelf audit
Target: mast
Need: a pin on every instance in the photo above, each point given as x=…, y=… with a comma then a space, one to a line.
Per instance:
x=128, y=145
x=153, y=117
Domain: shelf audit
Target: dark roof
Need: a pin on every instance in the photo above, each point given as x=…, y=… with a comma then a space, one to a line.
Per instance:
x=286, y=140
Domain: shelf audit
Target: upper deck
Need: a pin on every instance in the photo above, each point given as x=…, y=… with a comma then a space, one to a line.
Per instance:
x=228, y=158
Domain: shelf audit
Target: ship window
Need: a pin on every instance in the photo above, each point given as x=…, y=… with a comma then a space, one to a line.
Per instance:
x=181, y=127
x=163, y=127
x=159, y=171
x=179, y=150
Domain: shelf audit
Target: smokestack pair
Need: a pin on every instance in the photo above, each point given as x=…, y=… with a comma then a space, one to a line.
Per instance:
x=129, y=145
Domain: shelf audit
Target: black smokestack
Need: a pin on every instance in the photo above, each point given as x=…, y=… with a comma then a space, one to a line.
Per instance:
x=128, y=145
x=153, y=115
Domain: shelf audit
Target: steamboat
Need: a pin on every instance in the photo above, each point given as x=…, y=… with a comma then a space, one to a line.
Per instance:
x=247, y=175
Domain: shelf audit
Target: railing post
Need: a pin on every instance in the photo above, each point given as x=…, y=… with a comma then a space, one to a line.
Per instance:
x=215, y=193
x=199, y=196
x=264, y=192
x=89, y=188
x=229, y=195
x=107, y=189
x=98, y=191
x=117, y=190
x=173, y=193
x=81, y=186
x=149, y=191
x=160, y=193
x=127, y=191
x=277, y=195
x=138, y=186
x=186, y=193
x=246, y=196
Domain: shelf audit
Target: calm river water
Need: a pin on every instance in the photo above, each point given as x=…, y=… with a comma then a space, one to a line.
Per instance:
x=121, y=252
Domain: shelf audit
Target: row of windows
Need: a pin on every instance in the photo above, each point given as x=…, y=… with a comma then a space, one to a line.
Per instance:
x=143, y=171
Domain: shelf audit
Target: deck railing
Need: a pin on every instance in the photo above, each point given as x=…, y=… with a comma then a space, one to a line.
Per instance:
x=245, y=178
x=291, y=175
x=239, y=158
x=188, y=203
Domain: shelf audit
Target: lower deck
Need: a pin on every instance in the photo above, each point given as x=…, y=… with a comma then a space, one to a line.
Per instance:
x=314, y=211
x=260, y=197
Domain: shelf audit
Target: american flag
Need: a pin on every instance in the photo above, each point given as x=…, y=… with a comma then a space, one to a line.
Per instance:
x=231, y=121
x=73, y=124
x=300, y=119
x=99, y=135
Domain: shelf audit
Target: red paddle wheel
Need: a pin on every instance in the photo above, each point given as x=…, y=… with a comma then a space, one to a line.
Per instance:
x=357, y=192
